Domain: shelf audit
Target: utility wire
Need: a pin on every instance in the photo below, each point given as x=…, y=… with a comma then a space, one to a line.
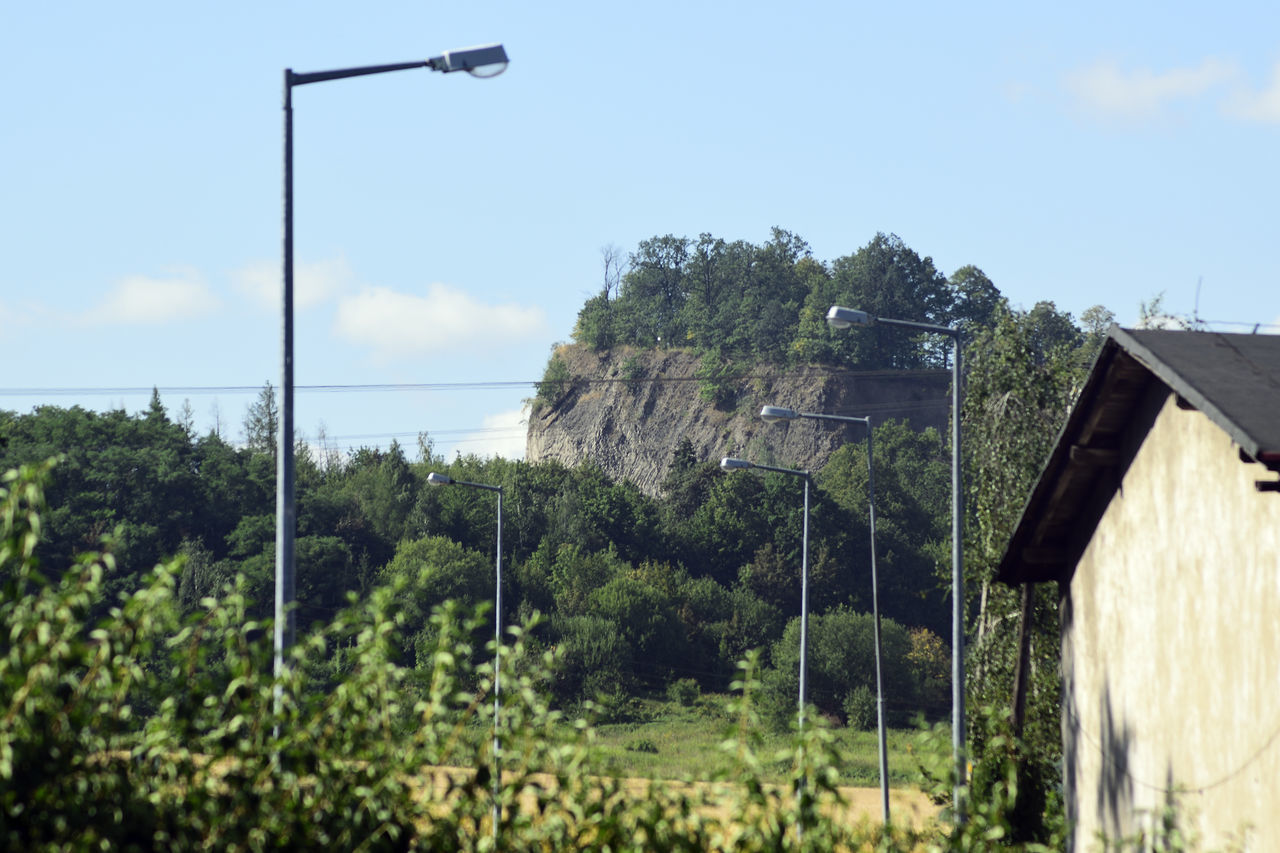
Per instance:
x=490, y=385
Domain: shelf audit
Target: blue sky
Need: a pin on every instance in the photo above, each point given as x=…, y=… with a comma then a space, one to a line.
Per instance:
x=448, y=229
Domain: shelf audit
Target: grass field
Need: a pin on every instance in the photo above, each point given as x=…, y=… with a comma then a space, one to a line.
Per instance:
x=665, y=740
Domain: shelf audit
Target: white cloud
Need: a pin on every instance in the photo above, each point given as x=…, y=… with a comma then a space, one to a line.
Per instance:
x=398, y=325
x=140, y=300
x=1261, y=106
x=12, y=317
x=313, y=283
x=501, y=434
x=1141, y=93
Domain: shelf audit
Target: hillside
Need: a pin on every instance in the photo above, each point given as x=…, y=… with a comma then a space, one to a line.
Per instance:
x=627, y=410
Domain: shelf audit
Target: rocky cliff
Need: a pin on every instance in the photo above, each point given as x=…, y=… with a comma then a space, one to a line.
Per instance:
x=629, y=409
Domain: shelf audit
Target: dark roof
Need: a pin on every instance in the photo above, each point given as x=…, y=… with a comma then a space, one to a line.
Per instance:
x=1233, y=378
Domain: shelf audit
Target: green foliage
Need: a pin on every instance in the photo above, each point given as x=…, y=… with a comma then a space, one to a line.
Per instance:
x=841, y=658
x=597, y=325
x=133, y=478
x=425, y=573
x=887, y=279
x=741, y=304
x=913, y=505
x=646, y=619
x=859, y=708
x=633, y=372
x=1005, y=806
x=1025, y=371
x=595, y=658
x=683, y=691
x=149, y=729
x=262, y=422
x=555, y=380
x=715, y=377
x=929, y=661
x=1024, y=374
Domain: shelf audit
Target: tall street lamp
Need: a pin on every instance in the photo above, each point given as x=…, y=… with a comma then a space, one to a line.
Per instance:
x=778, y=414
x=487, y=61
x=435, y=479
x=843, y=318
x=730, y=463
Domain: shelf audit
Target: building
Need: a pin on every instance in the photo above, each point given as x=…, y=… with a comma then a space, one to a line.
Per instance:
x=1158, y=515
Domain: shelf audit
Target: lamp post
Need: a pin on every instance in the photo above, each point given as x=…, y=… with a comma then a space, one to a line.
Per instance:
x=730, y=463
x=435, y=479
x=487, y=61
x=778, y=414
x=842, y=318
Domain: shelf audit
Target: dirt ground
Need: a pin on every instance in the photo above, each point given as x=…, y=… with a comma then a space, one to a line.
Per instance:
x=907, y=807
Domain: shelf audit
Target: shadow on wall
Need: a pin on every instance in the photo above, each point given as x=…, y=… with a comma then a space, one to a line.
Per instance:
x=1115, y=783
x=1114, y=802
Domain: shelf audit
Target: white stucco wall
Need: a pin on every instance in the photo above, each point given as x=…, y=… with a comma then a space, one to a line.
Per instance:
x=1171, y=655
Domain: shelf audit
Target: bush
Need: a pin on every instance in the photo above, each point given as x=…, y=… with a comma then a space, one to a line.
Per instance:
x=633, y=372
x=842, y=658
x=684, y=692
x=860, y=708
x=555, y=381
x=642, y=745
x=717, y=380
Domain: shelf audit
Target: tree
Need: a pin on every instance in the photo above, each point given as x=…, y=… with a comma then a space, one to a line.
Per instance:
x=132, y=479
x=768, y=311
x=262, y=422
x=912, y=478
x=1052, y=332
x=653, y=291
x=885, y=278
x=1095, y=321
x=841, y=658
x=647, y=619
x=428, y=572
x=976, y=300
x=1023, y=375
x=597, y=321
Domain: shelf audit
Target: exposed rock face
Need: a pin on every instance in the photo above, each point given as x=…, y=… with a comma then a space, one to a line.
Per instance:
x=629, y=409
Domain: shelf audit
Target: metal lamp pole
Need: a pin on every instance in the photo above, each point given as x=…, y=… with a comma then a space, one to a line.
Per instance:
x=487, y=61
x=776, y=414
x=730, y=463
x=842, y=318
x=435, y=479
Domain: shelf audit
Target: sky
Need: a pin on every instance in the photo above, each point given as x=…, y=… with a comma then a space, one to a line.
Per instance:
x=448, y=229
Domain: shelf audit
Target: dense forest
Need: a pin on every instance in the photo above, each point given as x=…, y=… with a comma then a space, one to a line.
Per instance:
x=635, y=592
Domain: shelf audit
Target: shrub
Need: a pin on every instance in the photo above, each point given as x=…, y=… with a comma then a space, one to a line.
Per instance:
x=842, y=658
x=555, y=381
x=717, y=379
x=860, y=708
x=684, y=692
x=642, y=745
x=633, y=372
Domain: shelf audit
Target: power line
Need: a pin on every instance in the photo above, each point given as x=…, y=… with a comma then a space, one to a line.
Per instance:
x=486, y=385
x=255, y=389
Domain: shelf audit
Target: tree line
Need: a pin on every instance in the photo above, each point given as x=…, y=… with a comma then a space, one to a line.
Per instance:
x=635, y=591
x=752, y=303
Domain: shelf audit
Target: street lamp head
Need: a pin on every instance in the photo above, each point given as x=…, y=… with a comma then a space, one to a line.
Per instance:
x=773, y=414
x=488, y=60
x=843, y=318
x=434, y=479
x=730, y=463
